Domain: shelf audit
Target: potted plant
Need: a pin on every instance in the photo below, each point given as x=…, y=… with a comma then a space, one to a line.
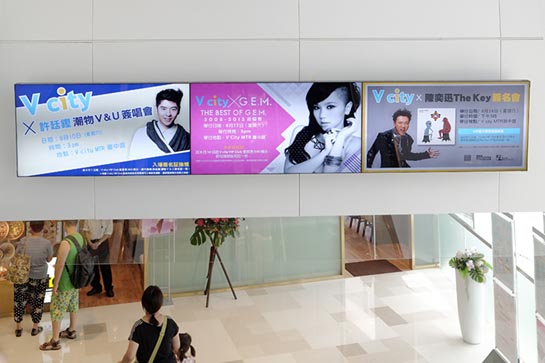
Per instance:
x=216, y=230
x=471, y=269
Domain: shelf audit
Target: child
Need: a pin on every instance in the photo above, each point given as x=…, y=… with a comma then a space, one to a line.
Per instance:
x=185, y=346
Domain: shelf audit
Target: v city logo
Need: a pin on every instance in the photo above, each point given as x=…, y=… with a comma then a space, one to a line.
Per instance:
x=397, y=97
x=239, y=101
x=64, y=101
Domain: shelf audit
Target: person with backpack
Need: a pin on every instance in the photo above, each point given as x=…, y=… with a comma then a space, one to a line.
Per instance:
x=65, y=296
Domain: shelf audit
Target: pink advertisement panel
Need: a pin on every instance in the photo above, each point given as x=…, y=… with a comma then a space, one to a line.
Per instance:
x=258, y=128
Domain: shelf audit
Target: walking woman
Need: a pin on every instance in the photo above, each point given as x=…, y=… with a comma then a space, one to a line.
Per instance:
x=154, y=337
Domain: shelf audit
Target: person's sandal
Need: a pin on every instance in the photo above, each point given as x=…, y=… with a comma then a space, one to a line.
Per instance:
x=36, y=331
x=18, y=332
x=51, y=345
x=68, y=334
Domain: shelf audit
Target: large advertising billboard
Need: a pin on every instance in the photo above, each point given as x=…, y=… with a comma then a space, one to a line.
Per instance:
x=440, y=126
x=259, y=128
x=102, y=129
x=270, y=128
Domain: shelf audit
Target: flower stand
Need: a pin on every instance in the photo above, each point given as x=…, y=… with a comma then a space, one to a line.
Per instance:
x=213, y=254
x=471, y=308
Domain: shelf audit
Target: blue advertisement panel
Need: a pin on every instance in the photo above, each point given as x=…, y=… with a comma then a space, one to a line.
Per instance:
x=439, y=126
x=102, y=129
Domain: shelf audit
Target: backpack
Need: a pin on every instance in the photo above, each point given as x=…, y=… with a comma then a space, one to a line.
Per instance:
x=84, y=265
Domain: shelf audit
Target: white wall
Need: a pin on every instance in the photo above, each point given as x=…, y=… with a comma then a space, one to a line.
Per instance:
x=280, y=40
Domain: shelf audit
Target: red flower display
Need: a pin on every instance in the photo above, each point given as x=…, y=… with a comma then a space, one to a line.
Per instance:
x=215, y=229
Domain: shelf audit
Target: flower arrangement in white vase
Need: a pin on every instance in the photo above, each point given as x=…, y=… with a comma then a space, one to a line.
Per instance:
x=471, y=269
x=471, y=263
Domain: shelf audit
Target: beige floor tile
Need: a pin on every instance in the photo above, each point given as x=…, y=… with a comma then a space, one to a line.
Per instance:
x=301, y=323
x=326, y=355
x=389, y=316
x=284, y=358
x=351, y=350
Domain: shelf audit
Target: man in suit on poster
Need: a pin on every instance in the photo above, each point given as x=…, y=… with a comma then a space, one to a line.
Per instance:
x=395, y=145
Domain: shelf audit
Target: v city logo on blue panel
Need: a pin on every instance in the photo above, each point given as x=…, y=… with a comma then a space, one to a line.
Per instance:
x=63, y=101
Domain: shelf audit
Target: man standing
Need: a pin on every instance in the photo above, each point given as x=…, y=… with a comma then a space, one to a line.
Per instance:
x=97, y=233
x=65, y=297
x=163, y=136
x=395, y=145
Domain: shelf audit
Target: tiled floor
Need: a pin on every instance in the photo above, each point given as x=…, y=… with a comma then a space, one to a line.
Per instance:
x=397, y=317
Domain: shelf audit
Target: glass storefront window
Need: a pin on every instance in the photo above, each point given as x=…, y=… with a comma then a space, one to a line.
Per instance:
x=266, y=250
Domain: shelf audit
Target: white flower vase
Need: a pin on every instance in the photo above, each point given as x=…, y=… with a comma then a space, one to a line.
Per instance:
x=471, y=312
